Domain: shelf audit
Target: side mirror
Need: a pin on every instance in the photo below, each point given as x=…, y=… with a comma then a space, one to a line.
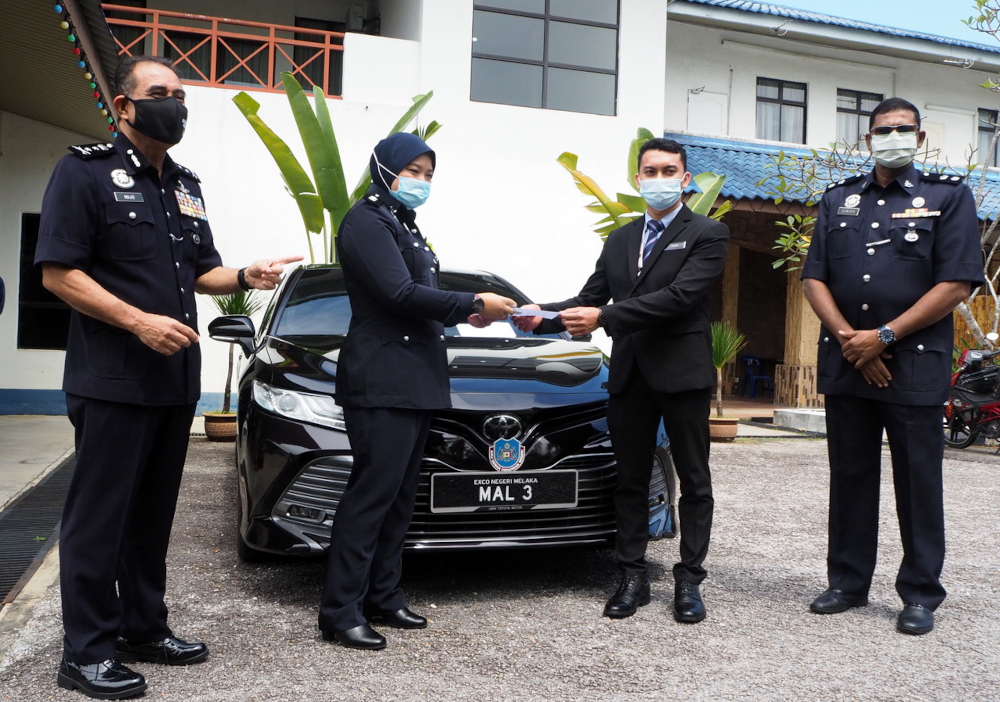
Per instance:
x=234, y=329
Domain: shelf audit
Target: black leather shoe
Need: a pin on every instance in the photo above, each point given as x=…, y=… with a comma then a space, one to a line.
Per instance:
x=109, y=680
x=401, y=619
x=688, y=607
x=362, y=636
x=632, y=593
x=915, y=619
x=170, y=651
x=835, y=601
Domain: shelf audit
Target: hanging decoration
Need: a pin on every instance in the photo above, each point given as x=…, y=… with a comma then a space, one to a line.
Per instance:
x=81, y=61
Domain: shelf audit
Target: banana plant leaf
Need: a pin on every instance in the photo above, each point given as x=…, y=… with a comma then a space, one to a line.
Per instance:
x=427, y=132
x=418, y=104
x=296, y=179
x=588, y=186
x=710, y=185
x=642, y=135
x=340, y=205
x=324, y=159
x=634, y=202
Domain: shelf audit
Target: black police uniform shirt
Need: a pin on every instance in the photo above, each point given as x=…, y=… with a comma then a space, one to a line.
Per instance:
x=879, y=250
x=145, y=240
x=395, y=353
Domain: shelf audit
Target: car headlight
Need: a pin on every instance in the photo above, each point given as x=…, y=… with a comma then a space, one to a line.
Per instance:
x=305, y=407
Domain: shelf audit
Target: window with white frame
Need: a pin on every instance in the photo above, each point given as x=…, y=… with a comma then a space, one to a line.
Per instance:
x=552, y=54
x=781, y=110
x=854, y=108
x=987, y=153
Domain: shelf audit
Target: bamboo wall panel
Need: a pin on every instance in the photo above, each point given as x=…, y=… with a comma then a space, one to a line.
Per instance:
x=795, y=386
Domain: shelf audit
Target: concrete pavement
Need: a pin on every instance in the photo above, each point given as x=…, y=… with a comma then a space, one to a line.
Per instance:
x=509, y=626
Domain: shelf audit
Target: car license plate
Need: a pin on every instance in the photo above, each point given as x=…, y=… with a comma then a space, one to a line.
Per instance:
x=502, y=492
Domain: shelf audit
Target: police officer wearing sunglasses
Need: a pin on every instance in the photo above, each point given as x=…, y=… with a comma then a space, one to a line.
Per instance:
x=893, y=252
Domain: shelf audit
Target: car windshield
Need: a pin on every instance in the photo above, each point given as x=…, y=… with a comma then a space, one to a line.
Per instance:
x=318, y=305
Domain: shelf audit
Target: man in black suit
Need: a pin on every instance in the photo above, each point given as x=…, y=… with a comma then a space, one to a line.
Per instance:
x=658, y=270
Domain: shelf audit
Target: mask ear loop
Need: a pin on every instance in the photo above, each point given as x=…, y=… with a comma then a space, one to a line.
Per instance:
x=383, y=168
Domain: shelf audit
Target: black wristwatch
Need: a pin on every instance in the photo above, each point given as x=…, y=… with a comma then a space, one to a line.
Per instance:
x=241, y=279
x=478, y=304
x=601, y=320
x=886, y=335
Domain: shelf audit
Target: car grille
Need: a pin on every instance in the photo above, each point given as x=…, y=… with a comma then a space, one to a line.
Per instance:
x=563, y=438
x=308, y=505
x=592, y=520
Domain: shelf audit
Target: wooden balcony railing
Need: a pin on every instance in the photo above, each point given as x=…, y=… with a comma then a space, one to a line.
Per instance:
x=228, y=53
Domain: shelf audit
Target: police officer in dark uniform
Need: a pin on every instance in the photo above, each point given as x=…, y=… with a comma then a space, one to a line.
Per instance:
x=893, y=252
x=125, y=241
x=392, y=374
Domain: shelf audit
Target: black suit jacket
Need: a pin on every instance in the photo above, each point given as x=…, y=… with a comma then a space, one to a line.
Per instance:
x=395, y=353
x=659, y=321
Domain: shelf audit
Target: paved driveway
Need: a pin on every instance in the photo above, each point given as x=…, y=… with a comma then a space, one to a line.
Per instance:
x=528, y=626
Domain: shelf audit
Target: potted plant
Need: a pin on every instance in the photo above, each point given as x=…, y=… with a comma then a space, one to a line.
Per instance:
x=727, y=341
x=221, y=426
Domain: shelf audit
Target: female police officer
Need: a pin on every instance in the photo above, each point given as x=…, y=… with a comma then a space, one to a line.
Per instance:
x=391, y=376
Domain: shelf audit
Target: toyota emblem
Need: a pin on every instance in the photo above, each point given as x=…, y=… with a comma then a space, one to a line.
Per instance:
x=501, y=426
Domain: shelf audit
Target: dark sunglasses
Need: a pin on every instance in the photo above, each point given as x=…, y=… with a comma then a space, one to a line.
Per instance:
x=901, y=128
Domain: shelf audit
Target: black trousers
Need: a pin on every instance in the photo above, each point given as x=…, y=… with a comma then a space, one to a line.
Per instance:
x=116, y=523
x=364, y=562
x=634, y=417
x=916, y=442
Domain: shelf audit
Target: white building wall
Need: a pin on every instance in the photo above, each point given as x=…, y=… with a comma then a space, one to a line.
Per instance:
x=29, y=151
x=725, y=65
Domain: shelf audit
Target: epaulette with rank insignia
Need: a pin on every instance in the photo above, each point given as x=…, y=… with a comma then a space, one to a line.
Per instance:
x=188, y=172
x=845, y=181
x=942, y=177
x=87, y=151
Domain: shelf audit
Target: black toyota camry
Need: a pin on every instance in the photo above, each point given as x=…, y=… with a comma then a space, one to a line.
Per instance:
x=523, y=457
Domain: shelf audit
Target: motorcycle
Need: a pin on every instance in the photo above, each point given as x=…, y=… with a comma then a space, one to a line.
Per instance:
x=973, y=406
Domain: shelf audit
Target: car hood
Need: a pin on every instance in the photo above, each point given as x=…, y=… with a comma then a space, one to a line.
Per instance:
x=476, y=365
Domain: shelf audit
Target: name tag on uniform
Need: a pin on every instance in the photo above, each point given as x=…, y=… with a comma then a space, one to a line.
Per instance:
x=848, y=211
x=128, y=197
x=676, y=246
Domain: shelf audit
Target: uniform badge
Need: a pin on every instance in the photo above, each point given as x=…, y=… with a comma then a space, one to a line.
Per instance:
x=506, y=455
x=911, y=236
x=180, y=186
x=907, y=184
x=122, y=179
x=852, y=200
x=191, y=205
x=918, y=202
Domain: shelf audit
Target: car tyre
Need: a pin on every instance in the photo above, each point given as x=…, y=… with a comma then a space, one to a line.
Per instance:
x=244, y=551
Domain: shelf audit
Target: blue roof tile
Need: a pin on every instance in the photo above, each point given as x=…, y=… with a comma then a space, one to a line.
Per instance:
x=820, y=18
x=745, y=163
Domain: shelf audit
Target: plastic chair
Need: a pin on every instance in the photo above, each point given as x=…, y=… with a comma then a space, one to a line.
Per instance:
x=754, y=374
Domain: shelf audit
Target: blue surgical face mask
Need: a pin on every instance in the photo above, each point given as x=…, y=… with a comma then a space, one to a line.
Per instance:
x=412, y=192
x=661, y=193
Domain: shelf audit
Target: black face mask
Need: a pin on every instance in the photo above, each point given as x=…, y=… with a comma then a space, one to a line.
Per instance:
x=163, y=119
